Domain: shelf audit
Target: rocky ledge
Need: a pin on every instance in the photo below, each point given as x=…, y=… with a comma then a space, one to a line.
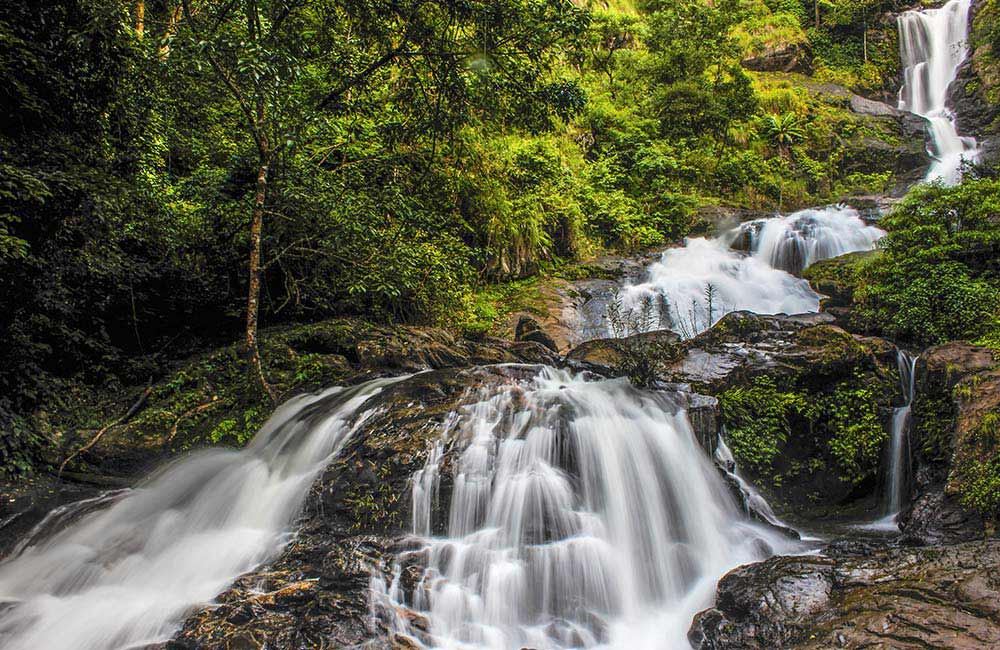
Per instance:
x=852, y=596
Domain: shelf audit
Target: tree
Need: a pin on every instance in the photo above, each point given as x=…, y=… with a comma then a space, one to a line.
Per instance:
x=782, y=132
x=291, y=67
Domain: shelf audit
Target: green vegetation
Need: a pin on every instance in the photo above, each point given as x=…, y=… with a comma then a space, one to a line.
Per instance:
x=175, y=174
x=937, y=278
x=759, y=418
x=840, y=424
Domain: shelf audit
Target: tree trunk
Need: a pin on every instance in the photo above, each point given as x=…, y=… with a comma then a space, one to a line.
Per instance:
x=253, y=299
x=817, y=13
x=168, y=33
x=865, y=37
x=140, y=18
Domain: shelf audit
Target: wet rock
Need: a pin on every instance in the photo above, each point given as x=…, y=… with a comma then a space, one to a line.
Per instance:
x=743, y=345
x=976, y=89
x=957, y=395
x=783, y=57
x=899, y=599
x=755, y=363
x=837, y=279
x=356, y=519
x=528, y=329
x=606, y=355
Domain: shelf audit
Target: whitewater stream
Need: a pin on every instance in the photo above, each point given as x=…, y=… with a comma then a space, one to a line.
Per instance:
x=125, y=576
x=583, y=513
x=933, y=45
x=752, y=267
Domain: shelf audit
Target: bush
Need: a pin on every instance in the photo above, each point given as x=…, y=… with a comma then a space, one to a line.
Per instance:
x=938, y=278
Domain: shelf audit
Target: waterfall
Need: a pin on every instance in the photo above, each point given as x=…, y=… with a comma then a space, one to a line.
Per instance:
x=125, y=576
x=697, y=284
x=583, y=513
x=933, y=45
x=793, y=243
x=899, y=446
x=754, y=501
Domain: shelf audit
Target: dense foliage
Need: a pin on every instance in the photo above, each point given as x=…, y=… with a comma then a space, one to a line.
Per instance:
x=937, y=278
x=173, y=172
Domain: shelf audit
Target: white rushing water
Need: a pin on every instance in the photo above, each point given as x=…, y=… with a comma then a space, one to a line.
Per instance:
x=583, y=513
x=125, y=576
x=899, y=446
x=933, y=45
x=760, y=281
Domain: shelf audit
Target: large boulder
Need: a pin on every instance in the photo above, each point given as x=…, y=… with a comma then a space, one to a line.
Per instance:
x=956, y=441
x=892, y=599
x=805, y=404
x=781, y=57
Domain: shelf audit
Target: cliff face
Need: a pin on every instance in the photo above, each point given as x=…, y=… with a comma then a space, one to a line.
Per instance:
x=976, y=91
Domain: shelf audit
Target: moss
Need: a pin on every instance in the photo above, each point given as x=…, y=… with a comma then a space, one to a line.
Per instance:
x=976, y=474
x=758, y=419
x=780, y=432
x=839, y=277
x=856, y=433
x=934, y=425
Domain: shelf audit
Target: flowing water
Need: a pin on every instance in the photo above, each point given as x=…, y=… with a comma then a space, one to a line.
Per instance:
x=125, y=576
x=933, y=45
x=583, y=513
x=695, y=285
x=899, y=448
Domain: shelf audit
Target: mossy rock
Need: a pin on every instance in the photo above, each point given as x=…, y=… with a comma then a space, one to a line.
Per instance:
x=805, y=403
x=956, y=438
x=216, y=398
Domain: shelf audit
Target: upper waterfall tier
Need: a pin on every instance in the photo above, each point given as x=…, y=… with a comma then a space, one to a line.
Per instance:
x=933, y=45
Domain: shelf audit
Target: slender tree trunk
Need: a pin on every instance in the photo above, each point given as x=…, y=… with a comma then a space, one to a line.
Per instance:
x=816, y=4
x=865, y=37
x=168, y=33
x=253, y=299
x=140, y=18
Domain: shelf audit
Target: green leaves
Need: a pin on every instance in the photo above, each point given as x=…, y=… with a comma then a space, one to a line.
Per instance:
x=937, y=280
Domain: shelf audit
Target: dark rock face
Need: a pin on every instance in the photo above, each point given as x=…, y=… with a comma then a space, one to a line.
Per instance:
x=899, y=599
x=751, y=362
x=957, y=389
x=976, y=89
x=528, y=329
x=786, y=57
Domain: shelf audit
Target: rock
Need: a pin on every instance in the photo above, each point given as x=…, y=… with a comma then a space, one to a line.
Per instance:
x=209, y=393
x=873, y=108
x=837, y=279
x=784, y=57
x=780, y=381
x=605, y=355
x=975, y=92
x=893, y=599
x=315, y=594
x=957, y=395
x=528, y=329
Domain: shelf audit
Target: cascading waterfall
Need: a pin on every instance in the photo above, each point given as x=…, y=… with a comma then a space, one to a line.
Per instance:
x=753, y=500
x=761, y=280
x=899, y=446
x=583, y=513
x=933, y=45
x=124, y=577
x=794, y=242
